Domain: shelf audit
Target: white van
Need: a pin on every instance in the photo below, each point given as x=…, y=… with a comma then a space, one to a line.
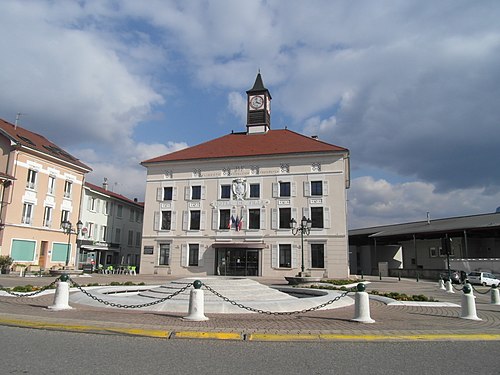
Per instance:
x=483, y=278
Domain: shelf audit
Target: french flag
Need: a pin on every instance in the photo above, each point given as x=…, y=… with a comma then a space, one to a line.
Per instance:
x=237, y=223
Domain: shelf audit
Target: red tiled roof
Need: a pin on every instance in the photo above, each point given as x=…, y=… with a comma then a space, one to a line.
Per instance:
x=274, y=142
x=112, y=194
x=30, y=140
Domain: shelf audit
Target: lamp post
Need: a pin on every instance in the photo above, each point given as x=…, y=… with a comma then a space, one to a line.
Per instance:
x=68, y=228
x=304, y=229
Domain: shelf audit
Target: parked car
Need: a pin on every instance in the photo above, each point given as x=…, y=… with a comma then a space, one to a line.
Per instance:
x=483, y=278
x=456, y=277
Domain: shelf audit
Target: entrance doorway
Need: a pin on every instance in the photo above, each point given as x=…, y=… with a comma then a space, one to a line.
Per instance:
x=237, y=262
x=42, y=258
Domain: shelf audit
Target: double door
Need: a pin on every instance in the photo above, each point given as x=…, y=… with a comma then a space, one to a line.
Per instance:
x=237, y=262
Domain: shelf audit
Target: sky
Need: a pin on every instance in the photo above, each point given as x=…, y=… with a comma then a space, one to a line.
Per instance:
x=411, y=88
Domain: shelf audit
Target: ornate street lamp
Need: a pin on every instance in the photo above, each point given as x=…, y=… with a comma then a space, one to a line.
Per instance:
x=68, y=228
x=304, y=229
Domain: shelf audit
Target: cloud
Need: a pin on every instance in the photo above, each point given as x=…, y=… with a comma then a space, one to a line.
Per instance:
x=411, y=89
x=374, y=202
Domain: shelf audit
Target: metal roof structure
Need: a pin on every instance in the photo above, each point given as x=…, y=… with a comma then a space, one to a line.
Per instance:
x=483, y=222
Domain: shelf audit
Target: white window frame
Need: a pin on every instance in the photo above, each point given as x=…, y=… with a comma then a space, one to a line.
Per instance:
x=31, y=179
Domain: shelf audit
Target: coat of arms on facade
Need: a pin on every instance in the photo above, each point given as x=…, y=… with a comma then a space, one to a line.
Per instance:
x=239, y=188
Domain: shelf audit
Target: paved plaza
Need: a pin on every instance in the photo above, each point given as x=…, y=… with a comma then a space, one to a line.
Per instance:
x=400, y=321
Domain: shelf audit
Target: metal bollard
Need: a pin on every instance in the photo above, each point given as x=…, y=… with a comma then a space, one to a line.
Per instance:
x=495, y=295
x=362, y=306
x=418, y=277
x=468, y=305
x=196, y=310
x=61, y=296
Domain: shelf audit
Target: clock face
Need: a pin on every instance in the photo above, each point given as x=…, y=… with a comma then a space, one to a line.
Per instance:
x=256, y=102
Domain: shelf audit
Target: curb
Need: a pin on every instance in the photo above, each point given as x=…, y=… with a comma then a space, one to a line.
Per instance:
x=241, y=336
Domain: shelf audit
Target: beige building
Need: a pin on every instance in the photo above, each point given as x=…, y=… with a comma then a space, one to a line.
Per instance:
x=224, y=207
x=43, y=188
x=112, y=228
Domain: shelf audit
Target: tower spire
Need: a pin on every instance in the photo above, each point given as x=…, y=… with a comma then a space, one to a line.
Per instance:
x=258, y=107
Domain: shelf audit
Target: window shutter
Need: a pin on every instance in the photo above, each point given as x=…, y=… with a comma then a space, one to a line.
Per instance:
x=185, y=220
x=96, y=231
x=294, y=215
x=274, y=218
x=294, y=256
x=274, y=256
x=326, y=217
x=275, y=190
x=89, y=203
x=156, y=220
x=215, y=219
x=174, y=193
x=184, y=255
x=307, y=189
x=159, y=194
x=201, y=254
x=244, y=216
x=203, y=192
x=305, y=212
x=262, y=218
x=173, y=220
x=294, y=189
x=325, y=187
x=203, y=219
x=187, y=193
x=98, y=205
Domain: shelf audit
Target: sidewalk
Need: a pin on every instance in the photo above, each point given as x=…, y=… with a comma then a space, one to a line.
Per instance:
x=392, y=322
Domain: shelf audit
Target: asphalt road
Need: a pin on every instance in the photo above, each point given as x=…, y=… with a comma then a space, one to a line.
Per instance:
x=27, y=351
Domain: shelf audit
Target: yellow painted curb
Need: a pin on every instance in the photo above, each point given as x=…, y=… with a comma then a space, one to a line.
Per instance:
x=85, y=328
x=375, y=337
x=207, y=335
x=281, y=337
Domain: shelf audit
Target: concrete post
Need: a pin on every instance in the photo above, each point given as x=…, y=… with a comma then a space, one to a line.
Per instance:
x=495, y=296
x=362, y=306
x=449, y=287
x=441, y=285
x=61, y=296
x=196, y=310
x=468, y=310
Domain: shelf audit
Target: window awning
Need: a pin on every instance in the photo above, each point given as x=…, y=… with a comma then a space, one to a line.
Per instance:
x=97, y=248
x=239, y=245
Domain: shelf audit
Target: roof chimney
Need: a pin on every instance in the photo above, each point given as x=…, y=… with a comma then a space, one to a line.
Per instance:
x=105, y=184
x=135, y=200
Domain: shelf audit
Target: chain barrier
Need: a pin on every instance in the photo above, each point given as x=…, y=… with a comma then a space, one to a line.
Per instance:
x=241, y=306
x=457, y=288
x=119, y=305
x=43, y=289
x=476, y=290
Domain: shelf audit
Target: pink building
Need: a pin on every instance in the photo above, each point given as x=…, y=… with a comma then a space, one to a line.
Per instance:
x=41, y=187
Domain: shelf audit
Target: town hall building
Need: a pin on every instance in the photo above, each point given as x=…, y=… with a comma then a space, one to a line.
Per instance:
x=227, y=206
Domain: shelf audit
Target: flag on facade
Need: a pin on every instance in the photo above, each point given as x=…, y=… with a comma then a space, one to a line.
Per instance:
x=232, y=222
x=240, y=224
x=229, y=223
x=237, y=223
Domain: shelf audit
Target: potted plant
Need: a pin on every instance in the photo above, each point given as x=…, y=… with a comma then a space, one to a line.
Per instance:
x=5, y=263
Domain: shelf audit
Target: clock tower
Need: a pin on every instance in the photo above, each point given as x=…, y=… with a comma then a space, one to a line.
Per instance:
x=258, y=108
